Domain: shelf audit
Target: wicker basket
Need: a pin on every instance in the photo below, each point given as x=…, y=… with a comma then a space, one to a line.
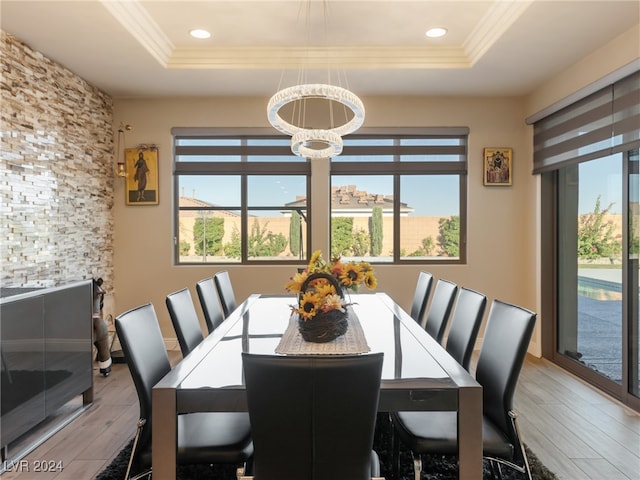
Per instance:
x=325, y=326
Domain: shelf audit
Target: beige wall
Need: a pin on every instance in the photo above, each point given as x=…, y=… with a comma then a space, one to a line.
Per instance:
x=501, y=220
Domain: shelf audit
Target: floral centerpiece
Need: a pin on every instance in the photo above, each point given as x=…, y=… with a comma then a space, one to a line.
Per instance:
x=322, y=307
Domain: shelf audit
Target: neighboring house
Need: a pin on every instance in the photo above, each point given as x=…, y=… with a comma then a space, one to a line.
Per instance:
x=348, y=201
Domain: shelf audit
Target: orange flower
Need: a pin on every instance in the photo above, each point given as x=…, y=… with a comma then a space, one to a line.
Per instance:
x=337, y=268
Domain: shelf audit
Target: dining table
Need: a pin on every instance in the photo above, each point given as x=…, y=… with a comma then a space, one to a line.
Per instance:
x=417, y=375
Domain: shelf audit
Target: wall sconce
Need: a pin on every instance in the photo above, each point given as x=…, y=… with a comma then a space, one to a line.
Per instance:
x=120, y=167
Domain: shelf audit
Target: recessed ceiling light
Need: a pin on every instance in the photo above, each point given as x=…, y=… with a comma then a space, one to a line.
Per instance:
x=199, y=33
x=436, y=32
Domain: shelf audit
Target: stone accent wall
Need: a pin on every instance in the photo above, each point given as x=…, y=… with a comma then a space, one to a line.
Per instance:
x=56, y=173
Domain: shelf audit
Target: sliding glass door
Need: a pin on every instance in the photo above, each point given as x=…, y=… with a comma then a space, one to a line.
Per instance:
x=597, y=270
x=590, y=212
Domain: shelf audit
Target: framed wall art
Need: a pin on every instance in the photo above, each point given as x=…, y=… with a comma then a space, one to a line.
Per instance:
x=498, y=166
x=141, y=184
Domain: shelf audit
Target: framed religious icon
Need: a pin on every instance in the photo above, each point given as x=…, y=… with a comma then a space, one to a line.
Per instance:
x=141, y=184
x=498, y=166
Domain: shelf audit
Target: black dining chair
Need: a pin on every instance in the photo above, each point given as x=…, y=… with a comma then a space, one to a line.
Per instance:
x=465, y=325
x=440, y=309
x=203, y=438
x=313, y=417
x=504, y=347
x=210, y=303
x=421, y=296
x=225, y=292
x=185, y=320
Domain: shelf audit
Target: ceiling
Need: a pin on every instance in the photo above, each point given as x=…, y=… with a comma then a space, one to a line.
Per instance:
x=138, y=48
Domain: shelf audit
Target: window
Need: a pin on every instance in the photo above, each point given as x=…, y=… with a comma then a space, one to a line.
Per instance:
x=394, y=198
x=400, y=198
x=237, y=198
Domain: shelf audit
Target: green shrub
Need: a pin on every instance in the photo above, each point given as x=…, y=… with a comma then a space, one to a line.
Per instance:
x=341, y=236
x=450, y=235
x=207, y=235
x=375, y=227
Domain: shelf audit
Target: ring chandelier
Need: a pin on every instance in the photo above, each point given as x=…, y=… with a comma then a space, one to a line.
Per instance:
x=307, y=143
x=315, y=143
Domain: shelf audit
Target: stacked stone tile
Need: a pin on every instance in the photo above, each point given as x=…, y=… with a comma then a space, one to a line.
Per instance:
x=56, y=172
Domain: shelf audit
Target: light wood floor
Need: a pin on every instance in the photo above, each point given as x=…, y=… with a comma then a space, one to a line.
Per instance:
x=578, y=432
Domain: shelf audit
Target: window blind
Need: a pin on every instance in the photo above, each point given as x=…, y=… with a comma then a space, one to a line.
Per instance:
x=603, y=123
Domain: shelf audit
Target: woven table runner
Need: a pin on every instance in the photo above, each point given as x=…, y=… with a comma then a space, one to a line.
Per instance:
x=350, y=343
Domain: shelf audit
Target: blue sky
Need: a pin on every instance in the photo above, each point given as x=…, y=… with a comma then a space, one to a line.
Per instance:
x=428, y=195
x=601, y=177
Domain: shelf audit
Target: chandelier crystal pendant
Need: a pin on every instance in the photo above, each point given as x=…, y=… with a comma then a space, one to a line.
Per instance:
x=325, y=142
x=315, y=143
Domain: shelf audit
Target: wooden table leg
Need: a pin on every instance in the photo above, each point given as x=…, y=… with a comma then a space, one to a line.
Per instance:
x=164, y=432
x=470, y=432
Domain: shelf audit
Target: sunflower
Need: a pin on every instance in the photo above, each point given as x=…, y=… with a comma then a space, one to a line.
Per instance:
x=365, y=266
x=310, y=304
x=317, y=255
x=351, y=275
x=324, y=288
x=295, y=283
x=370, y=280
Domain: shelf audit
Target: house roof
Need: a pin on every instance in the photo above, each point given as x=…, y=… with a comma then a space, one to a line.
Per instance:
x=194, y=202
x=349, y=198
